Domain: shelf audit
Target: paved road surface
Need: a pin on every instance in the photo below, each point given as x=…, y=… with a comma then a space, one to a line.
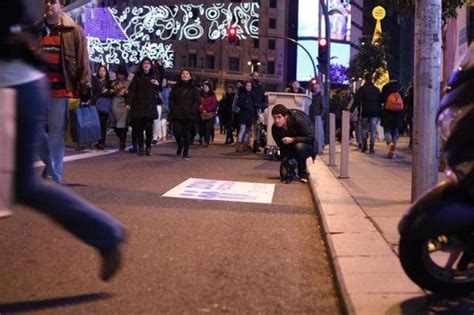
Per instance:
x=183, y=256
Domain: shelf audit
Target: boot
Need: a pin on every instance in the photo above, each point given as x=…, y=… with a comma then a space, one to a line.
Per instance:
x=133, y=149
x=372, y=150
x=148, y=152
x=255, y=148
x=140, y=151
x=364, y=146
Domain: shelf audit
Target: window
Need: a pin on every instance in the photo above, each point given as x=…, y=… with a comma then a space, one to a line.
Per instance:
x=256, y=43
x=192, y=60
x=234, y=64
x=271, y=67
x=210, y=62
x=272, y=23
x=273, y=3
x=271, y=44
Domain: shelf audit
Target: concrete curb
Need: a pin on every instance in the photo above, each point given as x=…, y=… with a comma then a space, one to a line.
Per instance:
x=369, y=277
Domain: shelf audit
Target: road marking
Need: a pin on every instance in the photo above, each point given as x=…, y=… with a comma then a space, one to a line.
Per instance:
x=81, y=156
x=222, y=190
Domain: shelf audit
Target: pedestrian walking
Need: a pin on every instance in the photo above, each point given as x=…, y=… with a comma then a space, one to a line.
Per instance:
x=207, y=113
x=19, y=70
x=102, y=93
x=141, y=102
x=259, y=102
x=184, y=104
x=392, y=115
x=225, y=107
x=246, y=111
x=64, y=47
x=367, y=100
x=119, y=107
x=165, y=96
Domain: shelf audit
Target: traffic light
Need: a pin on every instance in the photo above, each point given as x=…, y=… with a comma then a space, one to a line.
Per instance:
x=232, y=34
x=323, y=57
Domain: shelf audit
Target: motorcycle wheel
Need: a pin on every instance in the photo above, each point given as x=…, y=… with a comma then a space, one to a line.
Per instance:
x=432, y=265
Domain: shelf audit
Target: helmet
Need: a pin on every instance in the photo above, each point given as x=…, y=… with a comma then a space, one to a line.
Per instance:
x=456, y=117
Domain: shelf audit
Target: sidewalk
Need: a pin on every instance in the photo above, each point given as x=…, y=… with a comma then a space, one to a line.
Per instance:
x=360, y=216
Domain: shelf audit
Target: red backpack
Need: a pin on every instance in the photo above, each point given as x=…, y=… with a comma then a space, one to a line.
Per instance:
x=394, y=102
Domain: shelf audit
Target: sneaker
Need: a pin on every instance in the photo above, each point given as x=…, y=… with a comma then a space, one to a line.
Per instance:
x=304, y=180
x=178, y=152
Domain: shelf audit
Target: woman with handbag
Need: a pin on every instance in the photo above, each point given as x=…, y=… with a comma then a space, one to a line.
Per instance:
x=207, y=112
x=102, y=93
x=118, y=113
x=184, y=103
x=141, y=102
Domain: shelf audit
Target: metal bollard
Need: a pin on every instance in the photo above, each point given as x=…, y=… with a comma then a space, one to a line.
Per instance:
x=344, y=171
x=319, y=132
x=332, y=139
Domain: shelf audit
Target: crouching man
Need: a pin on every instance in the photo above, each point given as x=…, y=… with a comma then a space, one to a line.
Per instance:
x=293, y=133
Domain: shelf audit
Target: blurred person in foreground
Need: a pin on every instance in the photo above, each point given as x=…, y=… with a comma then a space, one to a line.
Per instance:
x=19, y=70
x=64, y=47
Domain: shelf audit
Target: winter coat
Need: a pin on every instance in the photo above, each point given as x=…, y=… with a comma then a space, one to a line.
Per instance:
x=258, y=95
x=103, y=101
x=367, y=98
x=225, y=107
x=246, y=108
x=297, y=127
x=118, y=117
x=184, y=102
x=74, y=56
x=316, y=106
x=208, y=103
x=143, y=97
x=391, y=120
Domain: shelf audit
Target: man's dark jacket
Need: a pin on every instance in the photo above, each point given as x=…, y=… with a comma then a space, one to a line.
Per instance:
x=299, y=128
x=258, y=95
x=367, y=98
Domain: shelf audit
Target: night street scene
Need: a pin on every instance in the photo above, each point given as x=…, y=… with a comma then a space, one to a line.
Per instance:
x=237, y=157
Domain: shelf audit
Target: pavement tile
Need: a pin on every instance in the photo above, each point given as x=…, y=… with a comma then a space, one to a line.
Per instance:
x=341, y=223
x=388, y=304
x=396, y=282
x=369, y=264
x=360, y=244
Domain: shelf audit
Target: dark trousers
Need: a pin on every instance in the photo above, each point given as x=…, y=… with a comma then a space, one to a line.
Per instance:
x=144, y=125
x=103, y=117
x=182, y=133
x=90, y=224
x=205, y=127
x=300, y=152
x=134, y=134
x=121, y=134
x=229, y=128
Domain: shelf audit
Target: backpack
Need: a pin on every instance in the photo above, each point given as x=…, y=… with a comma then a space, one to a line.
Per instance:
x=394, y=102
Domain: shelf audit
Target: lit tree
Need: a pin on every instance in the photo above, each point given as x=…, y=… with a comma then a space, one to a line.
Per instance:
x=372, y=58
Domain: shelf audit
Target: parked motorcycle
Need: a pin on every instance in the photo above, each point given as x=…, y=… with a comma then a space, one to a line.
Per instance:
x=437, y=233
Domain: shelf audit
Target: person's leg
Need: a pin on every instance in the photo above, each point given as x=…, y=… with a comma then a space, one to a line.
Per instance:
x=388, y=135
x=395, y=135
x=103, y=117
x=140, y=124
x=209, y=126
x=57, y=113
x=302, y=153
x=134, y=148
x=187, y=127
x=365, y=129
x=148, y=124
x=157, y=126
x=229, y=131
x=93, y=226
x=178, y=131
x=373, y=132
x=164, y=128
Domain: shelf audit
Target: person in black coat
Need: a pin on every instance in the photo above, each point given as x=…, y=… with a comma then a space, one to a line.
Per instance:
x=367, y=100
x=246, y=114
x=391, y=120
x=141, y=102
x=294, y=136
x=225, y=108
x=184, y=104
x=102, y=93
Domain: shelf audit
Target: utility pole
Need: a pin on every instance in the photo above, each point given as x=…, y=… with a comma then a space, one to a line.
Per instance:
x=427, y=96
x=326, y=70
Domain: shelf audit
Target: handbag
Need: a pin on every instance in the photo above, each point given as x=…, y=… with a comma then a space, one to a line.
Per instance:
x=85, y=124
x=207, y=116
